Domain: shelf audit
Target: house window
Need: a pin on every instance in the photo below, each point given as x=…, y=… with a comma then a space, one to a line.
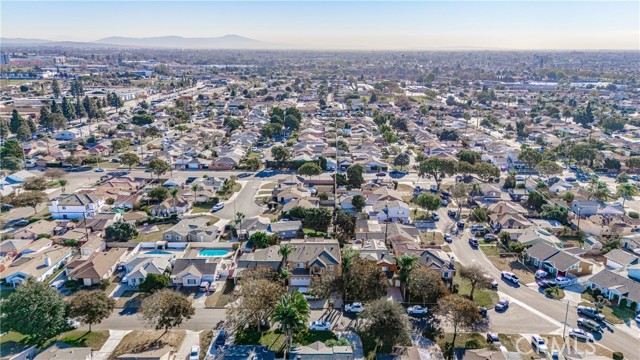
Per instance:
x=300, y=265
x=167, y=237
x=64, y=208
x=191, y=281
x=330, y=267
x=177, y=237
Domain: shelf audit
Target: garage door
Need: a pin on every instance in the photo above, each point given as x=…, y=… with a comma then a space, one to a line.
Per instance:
x=300, y=281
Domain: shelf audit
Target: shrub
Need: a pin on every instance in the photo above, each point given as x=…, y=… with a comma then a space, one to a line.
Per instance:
x=623, y=302
x=634, y=215
x=618, y=355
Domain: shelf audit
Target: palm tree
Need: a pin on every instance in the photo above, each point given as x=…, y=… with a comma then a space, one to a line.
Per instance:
x=285, y=250
x=292, y=312
x=174, y=195
x=598, y=190
x=626, y=190
x=348, y=254
x=406, y=263
x=239, y=217
x=195, y=188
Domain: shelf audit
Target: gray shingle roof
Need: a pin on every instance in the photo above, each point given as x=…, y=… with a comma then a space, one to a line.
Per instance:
x=555, y=257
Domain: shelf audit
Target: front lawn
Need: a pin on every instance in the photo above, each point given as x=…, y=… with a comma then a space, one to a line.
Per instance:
x=614, y=314
x=555, y=292
x=221, y=298
x=432, y=238
x=463, y=340
x=83, y=338
x=275, y=340
x=313, y=233
x=130, y=299
x=140, y=340
x=482, y=297
x=515, y=343
x=12, y=342
x=153, y=236
x=490, y=250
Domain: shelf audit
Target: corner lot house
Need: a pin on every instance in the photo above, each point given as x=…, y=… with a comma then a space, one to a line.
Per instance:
x=38, y=265
x=76, y=206
x=616, y=287
x=192, y=272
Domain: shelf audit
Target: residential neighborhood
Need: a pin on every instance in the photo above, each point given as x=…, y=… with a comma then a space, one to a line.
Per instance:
x=468, y=205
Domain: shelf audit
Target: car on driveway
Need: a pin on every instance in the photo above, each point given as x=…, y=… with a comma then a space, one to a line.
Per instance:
x=541, y=274
x=99, y=170
x=580, y=334
x=510, y=276
x=436, y=217
x=354, y=308
x=502, y=305
x=493, y=338
x=416, y=310
x=320, y=325
x=448, y=238
x=194, y=354
x=589, y=324
x=490, y=237
x=590, y=312
x=217, y=207
x=473, y=242
x=562, y=281
x=537, y=342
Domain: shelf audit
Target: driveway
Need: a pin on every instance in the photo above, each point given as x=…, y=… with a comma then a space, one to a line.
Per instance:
x=192, y=338
x=427, y=349
x=352, y=337
x=115, y=336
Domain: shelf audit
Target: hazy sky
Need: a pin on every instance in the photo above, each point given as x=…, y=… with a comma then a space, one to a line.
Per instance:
x=340, y=24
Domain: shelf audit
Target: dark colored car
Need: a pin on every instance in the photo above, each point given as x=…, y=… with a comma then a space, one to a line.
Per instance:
x=473, y=242
x=460, y=224
x=452, y=213
x=221, y=338
x=244, y=175
x=589, y=324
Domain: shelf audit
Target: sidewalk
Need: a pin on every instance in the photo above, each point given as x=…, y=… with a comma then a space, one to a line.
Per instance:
x=115, y=336
x=192, y=338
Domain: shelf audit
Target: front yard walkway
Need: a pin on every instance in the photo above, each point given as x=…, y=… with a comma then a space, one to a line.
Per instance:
x=115, y=336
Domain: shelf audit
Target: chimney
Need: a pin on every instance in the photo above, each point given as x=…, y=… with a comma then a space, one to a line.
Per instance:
x=47, y=261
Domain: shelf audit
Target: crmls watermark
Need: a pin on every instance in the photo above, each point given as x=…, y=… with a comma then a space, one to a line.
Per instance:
x=556, y=344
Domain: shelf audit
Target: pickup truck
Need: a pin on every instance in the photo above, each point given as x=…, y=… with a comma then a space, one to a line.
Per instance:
x=510, y=276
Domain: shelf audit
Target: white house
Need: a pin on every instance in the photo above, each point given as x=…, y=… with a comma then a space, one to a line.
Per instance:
x=38, y=265
x=394, y=210
x=66, y=135
x=192, y=272
x=76, y=206
x=584, y=207
x=139, y=267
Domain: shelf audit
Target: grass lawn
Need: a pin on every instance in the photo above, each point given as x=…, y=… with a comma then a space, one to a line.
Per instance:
x=432, y=238
x=153, y=236
x=130, y=299
x=483, y=297
x=268, y=186
x=555, y=292
x=275, y=340
x=221, y=298
x=205, y=340
x=140, y=340
x=445, y=248
x=201, y=208
x=490, y=250
x=11, y=343
x=555, y=342
x=515, y=342
x=613, y=314
x=83, y=338
x=465, y=340
x=313, y=233
x=405, y=188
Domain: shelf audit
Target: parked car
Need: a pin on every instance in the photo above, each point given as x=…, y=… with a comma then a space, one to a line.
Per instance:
x=490, y=237
x=217, y=207
x=23, y=222
x=580, y=334
x=74, y=324
x=320, y=325
x=502, y=305
x=6, y=207
x=194, y=354
x=56, y=284
x=354, y=308
x=638, y=318
x=416, y=310
x=510, y=276
x=473, y=242
x=546, y=283
x=436, y=217
x=381, y=174
x=243, y=175
x=493, y=339
x=460, y=224
x=494, y=283
x=537, y=342
x=562, y=281
x=99, y=170
x=448, y=238
x=452, y=213
x=221, y=338
x=590, y=312
x=541, y=274
x=589, y=324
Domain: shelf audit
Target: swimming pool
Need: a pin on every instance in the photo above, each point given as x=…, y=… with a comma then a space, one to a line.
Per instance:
x=213, y=252
x=158, y=252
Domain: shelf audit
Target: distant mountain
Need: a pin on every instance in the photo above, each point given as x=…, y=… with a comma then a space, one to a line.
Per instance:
x=222, y=42
x=22, y=41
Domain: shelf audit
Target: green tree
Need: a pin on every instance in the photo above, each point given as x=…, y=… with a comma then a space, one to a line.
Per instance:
x=253, y=164
x=557, y=213
x=34, y=309
x=45, y=118
x=16, y=121
x=387, y=323
x=284, y=251
x=437, y=168
x=460, y=313
x=292, y=312
x=77, y=88
x=30, y=198
x=280, y=153
x=91, y=307
x=428, y=201
x=625, y=191
x=568, y=197
x=309, y=169
x=153, y=283
x=426, y=285
x=469, y=156
x=547, y=169
x=129, y=159
x=355, y=176
x=158, y=167
x=633, y=163
x=598, y=190
x=142, y=119
x=406, y=263
x=37, y=183
x=476, y=278
x=535, y=200
x=510, y=181
x=166, y=309
x=358, y=202
x=346, y=226
x=68, y=110
x=402, y=160
x=460, y=192
x=55, y=88
x=530, y=157
x=317, y=219
x=259, y=239
x=121, y=232
x=622, y=178
x=158, y=194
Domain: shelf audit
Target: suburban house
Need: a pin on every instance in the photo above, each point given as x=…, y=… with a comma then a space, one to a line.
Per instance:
x=394, y=211
x=312, y=257
x=37, y=265
x=584, y=207
x=97, y=267
x=286, y=229
x=267, y=257
x=33, y=230
x=137, y=269
x=171, y=206
x=60, y=351
x=318, y=350
x=556, y=261
x=619, y=259
x=76, y=206
x=195, y=229
x=67, y=135
x=244, y=352
x=192, y=272
x=438, y=260
x=616, y=287
x=532, y=236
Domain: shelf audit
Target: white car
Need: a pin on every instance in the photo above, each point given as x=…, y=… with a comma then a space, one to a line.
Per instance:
x=354, y=308
x=510, y=276
x=416, y=310
x=217, y=207
x=73, y=323
x=541, y=274
x=320, y=325
x=99, y=170
x=448, y=238
x=562, y=281
x=538, y=344
x=194, y=354
x=56, y=284
x=580, y=334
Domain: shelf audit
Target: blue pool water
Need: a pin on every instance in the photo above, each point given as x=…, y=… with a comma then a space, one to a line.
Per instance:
x=158, y=252
x=213, y=252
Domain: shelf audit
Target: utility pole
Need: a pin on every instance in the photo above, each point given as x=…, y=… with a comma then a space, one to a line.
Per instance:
x=335, y=182
x=564, y=328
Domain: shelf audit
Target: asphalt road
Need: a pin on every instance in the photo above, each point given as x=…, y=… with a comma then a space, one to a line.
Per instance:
x=242, y=202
